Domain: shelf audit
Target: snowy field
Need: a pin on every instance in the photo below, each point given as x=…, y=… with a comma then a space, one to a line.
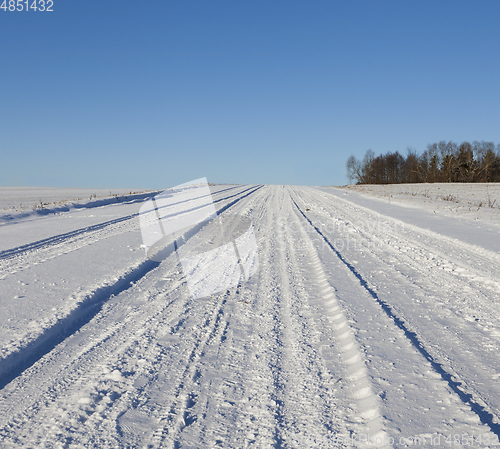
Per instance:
x=17, y=199
x=368, y=319
x=476, y=201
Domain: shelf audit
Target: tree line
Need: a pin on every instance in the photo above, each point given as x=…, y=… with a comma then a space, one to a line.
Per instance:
x=440, y=162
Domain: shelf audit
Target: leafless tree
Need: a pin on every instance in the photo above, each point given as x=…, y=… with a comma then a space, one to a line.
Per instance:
x=440, y=162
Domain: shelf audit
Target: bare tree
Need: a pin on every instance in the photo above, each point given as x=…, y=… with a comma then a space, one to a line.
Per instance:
x=354, y=170
x=367, y=166
x=411, y=167
x=440, y=162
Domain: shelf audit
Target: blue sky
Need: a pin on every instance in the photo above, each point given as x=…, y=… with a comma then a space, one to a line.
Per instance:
x=109, y=94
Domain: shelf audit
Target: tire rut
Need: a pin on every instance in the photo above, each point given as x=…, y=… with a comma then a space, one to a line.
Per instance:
x=14, y=364
x=477, y=404
x=367, y=420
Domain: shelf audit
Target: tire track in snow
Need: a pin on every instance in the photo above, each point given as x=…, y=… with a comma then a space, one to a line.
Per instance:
x=465, y=351
x=14, y=364
x=15, y=259
x=369, y=418
x=17, y=362
x=71, y=235
x=479, y=407
x=307, y=412
x=478, y=259
x=288, y=367
x=177, y=418
x=38, y=396
x=88, y=376
x=233, y=392
x=58, y=240
x=50, y=248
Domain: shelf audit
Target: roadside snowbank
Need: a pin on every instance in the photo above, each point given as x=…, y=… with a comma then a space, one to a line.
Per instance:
x=477, y=201
x=27, y=198
x=21, y=202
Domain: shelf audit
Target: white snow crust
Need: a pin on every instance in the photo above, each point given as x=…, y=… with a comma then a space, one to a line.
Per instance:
x=370, y=320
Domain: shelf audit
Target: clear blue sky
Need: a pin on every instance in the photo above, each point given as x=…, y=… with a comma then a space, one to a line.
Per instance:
x=155, y=93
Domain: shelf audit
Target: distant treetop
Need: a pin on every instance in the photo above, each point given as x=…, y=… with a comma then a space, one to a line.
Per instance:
x=440, y=162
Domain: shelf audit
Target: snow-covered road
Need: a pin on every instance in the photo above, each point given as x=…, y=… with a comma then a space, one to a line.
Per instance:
x=359, y=328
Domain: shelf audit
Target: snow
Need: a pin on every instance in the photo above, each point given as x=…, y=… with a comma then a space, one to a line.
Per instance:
x=366, y=317
x=474, y=201
x=27, y=198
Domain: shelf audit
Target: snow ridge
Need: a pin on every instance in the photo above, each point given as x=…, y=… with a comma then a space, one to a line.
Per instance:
x=361, y=390
x=485, y=415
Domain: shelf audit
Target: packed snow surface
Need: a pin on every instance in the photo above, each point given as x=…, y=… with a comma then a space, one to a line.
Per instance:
x=369, y=318
x=37, y=198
